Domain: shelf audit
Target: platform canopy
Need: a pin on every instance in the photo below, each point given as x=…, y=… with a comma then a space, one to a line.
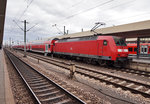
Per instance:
x=132, y=30
x=2, y=19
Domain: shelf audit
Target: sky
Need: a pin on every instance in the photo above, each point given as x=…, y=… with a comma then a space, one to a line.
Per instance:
x=47, y=18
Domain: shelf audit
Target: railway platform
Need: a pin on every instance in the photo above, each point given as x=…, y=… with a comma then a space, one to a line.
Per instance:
x=6, y=96
x=2, y=85
x=145, y=60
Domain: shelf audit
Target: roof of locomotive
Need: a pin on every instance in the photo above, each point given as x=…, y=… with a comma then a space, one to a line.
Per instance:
x=84, y=38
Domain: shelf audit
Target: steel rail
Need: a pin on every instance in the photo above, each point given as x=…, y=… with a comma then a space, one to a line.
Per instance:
x=52, y=61
x=76, y=99
x=128, y=70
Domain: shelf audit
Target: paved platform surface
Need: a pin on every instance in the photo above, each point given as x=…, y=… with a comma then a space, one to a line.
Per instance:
x=2, y=81
x=140, y=59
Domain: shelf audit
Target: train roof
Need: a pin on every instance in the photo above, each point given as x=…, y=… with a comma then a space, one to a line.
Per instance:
x=134, y=44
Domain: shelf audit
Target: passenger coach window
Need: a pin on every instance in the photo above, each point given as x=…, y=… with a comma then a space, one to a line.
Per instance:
x=130, y=49
x=105, y=42
x=135, y=49
x=145, y=49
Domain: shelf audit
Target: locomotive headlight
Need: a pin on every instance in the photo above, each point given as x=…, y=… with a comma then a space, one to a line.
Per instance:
x=119, y=50
x=125, y=50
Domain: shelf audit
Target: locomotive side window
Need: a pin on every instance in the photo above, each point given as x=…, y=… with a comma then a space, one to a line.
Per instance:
x=105, y=42
x=130, y=49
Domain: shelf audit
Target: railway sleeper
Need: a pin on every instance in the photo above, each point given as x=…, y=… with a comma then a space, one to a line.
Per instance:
x=66, y=101
x=55, y=99
x=34, y=82
x=121, y=83
x=49, y=93
x=38, y=87
x=43, y=90
x=148, y=91
x=42, y=87
x=39, y=84
x=129, y=85
x=139, y=87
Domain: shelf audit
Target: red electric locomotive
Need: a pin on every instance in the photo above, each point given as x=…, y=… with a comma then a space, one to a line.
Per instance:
x=103, y=49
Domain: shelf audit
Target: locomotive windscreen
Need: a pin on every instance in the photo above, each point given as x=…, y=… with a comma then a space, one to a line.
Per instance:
x=119, y=41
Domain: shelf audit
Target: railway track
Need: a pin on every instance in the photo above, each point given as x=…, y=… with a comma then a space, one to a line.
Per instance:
x=44, y=90
x=127, y=70
x=118, y=81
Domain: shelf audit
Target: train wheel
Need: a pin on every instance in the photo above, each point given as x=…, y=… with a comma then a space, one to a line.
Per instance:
x=110, y=63
x=102, y=62
x=119, y=64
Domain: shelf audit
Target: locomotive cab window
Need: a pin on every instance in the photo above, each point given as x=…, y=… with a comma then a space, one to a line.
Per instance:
x=119, y=41
x=105, y=42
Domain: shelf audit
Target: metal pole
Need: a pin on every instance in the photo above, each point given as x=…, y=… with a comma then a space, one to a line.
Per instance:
x=64, y=30
x=10, y=42
x=82, y=30
x=24, y=38
x=138, y=46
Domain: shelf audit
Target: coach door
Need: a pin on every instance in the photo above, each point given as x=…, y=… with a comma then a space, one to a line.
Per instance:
x=104, y=48
x=30, y=47
x=144, y=50
x=46, y=47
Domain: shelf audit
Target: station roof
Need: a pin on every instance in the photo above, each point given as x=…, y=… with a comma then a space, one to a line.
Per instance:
x=132, y=30
x=2, y=18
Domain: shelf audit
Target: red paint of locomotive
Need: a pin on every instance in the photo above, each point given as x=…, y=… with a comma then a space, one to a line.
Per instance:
x=92, y=48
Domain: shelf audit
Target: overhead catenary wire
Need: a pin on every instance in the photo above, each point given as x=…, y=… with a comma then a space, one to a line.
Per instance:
x=32, y=27
x=18, y=25
x=89, y=9
x=77, y=3
x=141, y=14
x=124, y=3
x=57, y=28
x=25, y=10
x=22, y=14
